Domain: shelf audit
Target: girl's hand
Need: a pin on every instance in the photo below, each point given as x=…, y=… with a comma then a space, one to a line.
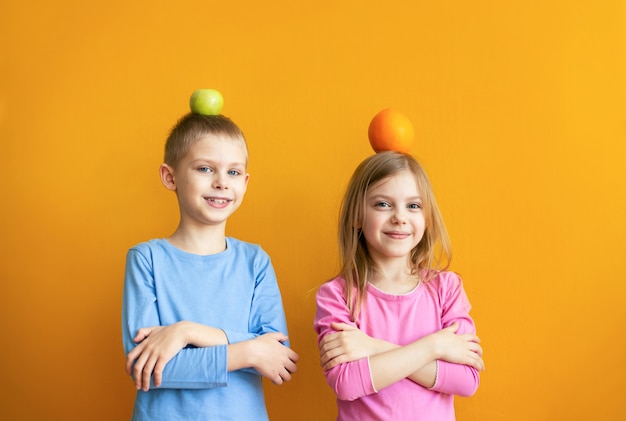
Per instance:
x=459, y=349
x=346, y=345
x=157, y=345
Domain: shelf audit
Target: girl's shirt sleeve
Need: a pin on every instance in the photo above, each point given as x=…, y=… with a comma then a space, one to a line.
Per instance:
x=351, y=380
x=452, y=378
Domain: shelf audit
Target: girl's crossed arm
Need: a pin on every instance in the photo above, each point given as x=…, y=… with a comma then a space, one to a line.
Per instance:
x=443, y=361
x=390, y=363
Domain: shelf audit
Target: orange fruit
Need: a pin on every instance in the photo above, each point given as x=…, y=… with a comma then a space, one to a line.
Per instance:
x=390, y=130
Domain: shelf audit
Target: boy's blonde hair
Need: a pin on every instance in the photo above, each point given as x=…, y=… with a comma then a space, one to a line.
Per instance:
x=192, y=127
x=431, y=254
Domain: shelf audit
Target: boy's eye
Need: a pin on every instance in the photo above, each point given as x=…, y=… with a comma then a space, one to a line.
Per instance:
x=233, y=172
x=204, y=169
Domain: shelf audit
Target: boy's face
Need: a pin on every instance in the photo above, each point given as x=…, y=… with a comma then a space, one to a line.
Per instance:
x=211, y=180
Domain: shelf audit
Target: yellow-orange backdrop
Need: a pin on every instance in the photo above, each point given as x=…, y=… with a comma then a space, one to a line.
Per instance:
x=520, y=114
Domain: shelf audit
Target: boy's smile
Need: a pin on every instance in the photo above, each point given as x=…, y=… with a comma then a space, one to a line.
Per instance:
x=218, y=202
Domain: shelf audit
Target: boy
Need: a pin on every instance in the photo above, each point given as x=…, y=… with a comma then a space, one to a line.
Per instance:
x=202, y=312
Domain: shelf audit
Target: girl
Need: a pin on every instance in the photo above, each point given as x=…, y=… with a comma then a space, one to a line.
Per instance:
x=395, y=337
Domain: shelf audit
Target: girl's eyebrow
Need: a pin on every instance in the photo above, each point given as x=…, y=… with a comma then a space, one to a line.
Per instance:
x=388, y=197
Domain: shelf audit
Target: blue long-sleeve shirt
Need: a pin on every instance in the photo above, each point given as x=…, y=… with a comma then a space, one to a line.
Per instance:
x=235, y=290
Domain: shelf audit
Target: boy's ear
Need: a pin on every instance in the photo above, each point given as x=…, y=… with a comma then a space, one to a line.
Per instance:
x=167, y=177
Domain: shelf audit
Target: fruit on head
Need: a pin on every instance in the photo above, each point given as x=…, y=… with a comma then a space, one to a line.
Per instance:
x=390, y=130
x=206, y=102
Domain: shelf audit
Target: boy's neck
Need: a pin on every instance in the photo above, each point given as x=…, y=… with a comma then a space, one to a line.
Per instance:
x=209, y=240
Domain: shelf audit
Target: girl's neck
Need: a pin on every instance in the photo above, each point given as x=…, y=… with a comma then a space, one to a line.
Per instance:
x=205, y=241
x=397, y=286
x=395, y=278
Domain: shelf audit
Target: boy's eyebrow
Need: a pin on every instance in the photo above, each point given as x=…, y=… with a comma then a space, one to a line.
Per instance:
x=213, y=162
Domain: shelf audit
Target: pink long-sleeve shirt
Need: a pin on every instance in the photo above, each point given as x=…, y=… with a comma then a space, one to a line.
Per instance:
x=399, y=319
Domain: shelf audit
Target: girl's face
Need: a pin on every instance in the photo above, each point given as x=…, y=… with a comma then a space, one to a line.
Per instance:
x=393, y=222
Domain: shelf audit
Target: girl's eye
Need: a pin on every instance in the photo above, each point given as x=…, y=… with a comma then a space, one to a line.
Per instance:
x=382, y=205
x=415, y=206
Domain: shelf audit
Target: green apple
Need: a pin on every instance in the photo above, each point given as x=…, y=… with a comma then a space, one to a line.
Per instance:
x=206, y=102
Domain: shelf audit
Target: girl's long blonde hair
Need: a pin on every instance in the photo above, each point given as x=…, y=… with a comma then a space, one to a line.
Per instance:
x=432, y=254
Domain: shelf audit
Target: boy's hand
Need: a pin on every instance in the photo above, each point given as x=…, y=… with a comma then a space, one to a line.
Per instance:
x=271, y=358
x=157, y=345
x=346, y=345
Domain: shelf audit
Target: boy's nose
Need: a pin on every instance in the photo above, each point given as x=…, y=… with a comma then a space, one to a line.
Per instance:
x=220, y=182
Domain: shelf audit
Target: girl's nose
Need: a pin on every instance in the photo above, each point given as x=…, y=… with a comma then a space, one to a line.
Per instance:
x=399, y=217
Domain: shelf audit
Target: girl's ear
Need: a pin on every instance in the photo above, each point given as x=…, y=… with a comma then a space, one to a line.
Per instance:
x=167, y=177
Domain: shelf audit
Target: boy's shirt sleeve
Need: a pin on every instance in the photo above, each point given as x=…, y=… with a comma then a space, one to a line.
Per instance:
x=197, y=368
x=191, y=368
x=266, y=313
x=457, y=379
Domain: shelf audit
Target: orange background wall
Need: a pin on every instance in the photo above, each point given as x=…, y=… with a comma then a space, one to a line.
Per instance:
x=520, y=114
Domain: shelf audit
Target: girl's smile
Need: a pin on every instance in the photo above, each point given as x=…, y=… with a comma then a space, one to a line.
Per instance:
x=393, y=221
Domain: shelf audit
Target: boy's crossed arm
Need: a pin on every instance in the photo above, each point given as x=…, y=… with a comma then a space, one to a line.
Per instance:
x=157, y=345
